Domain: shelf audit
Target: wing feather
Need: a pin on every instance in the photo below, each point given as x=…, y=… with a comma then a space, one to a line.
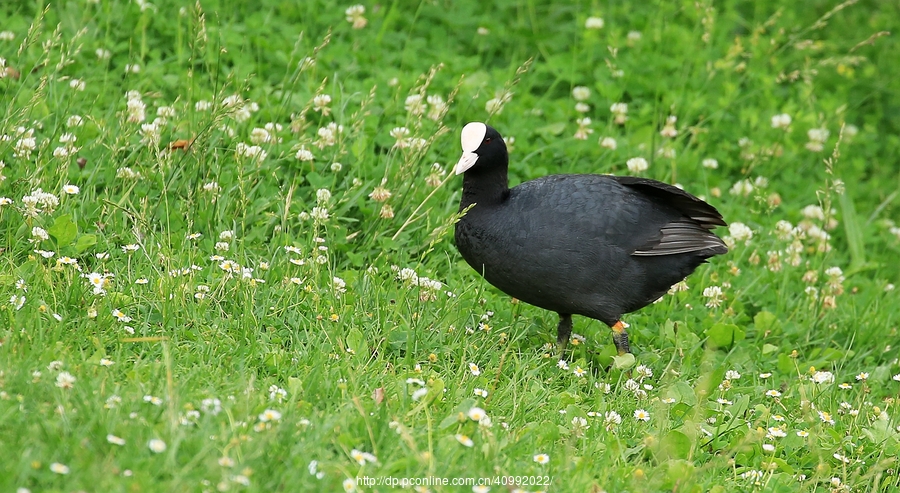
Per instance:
x=692, y=233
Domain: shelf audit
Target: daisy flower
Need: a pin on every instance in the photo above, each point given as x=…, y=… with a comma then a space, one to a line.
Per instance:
x=464, y=439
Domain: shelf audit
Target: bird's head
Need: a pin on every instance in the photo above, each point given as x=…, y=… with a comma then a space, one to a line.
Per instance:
x=482, y=146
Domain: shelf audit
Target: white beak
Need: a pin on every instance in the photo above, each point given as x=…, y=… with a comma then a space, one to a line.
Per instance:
x=467, y=160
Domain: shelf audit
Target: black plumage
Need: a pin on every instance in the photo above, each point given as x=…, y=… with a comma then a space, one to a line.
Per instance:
x=593, y=245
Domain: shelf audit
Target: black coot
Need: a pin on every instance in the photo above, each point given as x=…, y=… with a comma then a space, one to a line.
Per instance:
x=592, y=245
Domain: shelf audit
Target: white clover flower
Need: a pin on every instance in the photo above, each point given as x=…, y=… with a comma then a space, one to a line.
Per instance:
x=303, y=154
x=740, y=232
x=323, y=195
x=211, y=406
x=817, y=138
x=753, y=475
x=135, y=108
x=156, y=446
x=619, y=108
x=818, y=134
x=437, y=107
x=115, y=440
x=620, y=112
x=39, y=234
x=637, y=165
x=742, y=187
x=326, y=138
x=400, y=134
x=415, y=104
x=583, y=130
x=782, y=121
x=321, y=102
x=150, y=134
x=260, y=136
x=253, y=152
x=608, y=142
x=823, y=377
x=65, y=380
x=669, y=130
x=715, y=296
x=417, y=143
x=581, y=93
x=710, y=163
x=355, y=16
x=25, y=145
x=166, y=112
x=339, y=285
x=593, y=23
x=494, y=106
x=319, y=213
x=643, y=371
x=612, y=419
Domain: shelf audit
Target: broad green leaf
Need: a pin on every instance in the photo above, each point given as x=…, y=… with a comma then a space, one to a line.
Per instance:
x=674, y=445
x=769, y=348
x=398, y=338
x=63, y=230
x=458, y=415
x=624, y=361
x=724, y=335
x=84, y=242
x=679, y=472
x=356, y=342
x=316, y=180
x=682, y=392
x=766, y=321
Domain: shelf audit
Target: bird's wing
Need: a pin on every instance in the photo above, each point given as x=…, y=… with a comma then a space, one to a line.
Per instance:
x=704, y=214
x=682, y=236
x=691, y=233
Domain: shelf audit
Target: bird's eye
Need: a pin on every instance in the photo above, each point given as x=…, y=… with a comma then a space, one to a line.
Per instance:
x=487, y=140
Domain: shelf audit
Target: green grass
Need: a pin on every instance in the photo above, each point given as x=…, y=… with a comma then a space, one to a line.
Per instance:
x=276, y=378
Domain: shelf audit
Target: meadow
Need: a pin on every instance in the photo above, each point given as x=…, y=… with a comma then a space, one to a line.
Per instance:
x=227, y=260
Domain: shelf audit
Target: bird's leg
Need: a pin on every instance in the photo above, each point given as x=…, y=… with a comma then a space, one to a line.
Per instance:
x=620, y=337
x=563, y=331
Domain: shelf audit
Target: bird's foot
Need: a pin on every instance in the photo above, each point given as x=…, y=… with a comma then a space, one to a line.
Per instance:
x=561, y=349
x=620, y=338
x=563, y=332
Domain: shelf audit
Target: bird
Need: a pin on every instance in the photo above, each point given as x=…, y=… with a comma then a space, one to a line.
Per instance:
x=594, y=245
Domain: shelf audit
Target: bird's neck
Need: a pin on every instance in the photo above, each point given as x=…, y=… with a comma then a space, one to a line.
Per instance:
x=485, y=187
